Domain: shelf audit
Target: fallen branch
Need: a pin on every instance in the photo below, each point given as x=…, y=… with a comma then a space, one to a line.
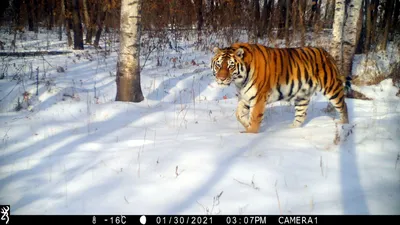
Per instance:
x=36, y=53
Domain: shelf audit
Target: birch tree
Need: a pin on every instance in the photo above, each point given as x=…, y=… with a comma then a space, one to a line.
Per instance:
x=352, y=29
x=345, y=33
x=128, y=66
x=337, y=32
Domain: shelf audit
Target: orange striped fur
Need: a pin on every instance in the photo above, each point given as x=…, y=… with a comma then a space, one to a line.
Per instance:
x=264, y=75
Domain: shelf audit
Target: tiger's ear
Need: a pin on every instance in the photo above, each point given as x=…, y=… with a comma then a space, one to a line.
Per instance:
x=216, y=50
x=239, y=52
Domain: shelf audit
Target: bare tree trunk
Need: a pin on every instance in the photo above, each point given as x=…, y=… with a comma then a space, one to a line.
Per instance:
x=199, y=12
x=30, y=15
x=282, y=18
x=128, y=67
x=200, y=20
x=287, y=23
x=302, y=5
x=36, y=15
x=86, y=18
x=61, y=19
x=388, y=22
x=265, y=16
x=102, y=14
x=94, y=11
x=77, y=25
x=368, y=25
x=50, y=8
x=336, y=49
x=68, y=21
x=256, y=33
x=16, y=7
x=318, y=15
x=294, y=12
x=351, y=34
x=396, y=16
x=328, y=2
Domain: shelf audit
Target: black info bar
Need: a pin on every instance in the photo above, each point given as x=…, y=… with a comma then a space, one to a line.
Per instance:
x=198, y=219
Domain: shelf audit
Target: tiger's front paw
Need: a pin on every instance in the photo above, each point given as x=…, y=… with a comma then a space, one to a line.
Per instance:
x=251, y=130
x=295, y=125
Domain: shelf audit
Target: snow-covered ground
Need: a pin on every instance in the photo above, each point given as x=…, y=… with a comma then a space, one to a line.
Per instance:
x=74, y=150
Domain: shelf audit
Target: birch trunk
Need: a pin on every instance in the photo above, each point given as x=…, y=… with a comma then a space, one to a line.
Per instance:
x=352, y=29
x=337, y=33
x=128, y=67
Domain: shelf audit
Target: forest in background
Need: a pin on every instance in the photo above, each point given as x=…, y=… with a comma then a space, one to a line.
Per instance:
x=274, y=23
x=84, y=21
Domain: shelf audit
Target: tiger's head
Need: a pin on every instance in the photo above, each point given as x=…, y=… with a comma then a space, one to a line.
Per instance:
x=227, y=65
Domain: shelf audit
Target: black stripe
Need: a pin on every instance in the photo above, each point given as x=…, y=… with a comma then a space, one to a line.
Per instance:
x=280, y=93
x=290, y=66
x=281, y=56
x=325, y=76
x=265, y=61
x=303, y=105
x=299, y=78
x=340, y=100
x=310, y=82
x=291, y=89
x=250, y=86
x=306, y=77
x=259, y=49
x=312, y=50
x=334, y=96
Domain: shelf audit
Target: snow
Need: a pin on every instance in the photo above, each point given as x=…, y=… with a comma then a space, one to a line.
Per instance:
x=74, y=150
x=377, y=63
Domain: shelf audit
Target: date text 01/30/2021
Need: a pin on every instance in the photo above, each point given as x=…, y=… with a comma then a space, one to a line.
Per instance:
x=236, y=220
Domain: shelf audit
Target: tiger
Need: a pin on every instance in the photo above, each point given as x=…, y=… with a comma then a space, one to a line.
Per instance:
x=263, y=75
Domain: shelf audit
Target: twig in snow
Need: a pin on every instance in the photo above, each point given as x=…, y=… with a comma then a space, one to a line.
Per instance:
x=277, y=196
x=397, y=160
x=250, y=185
x=144, y=138
x=138, y=157
x=321, y=166
x=336, y=140
x=6, y=137
x=177, y=173
x=215, y=203
x=126, y=200
x=312, y=203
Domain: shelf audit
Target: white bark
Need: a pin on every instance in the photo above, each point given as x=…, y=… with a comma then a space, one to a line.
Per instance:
x=337, y=33
x=128, y=69
x=352, y=28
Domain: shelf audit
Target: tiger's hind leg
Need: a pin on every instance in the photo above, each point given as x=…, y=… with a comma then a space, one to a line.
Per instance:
x=337, y=100
x=300, y=106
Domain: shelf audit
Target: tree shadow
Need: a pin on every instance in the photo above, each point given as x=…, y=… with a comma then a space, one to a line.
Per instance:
x=60, y=152
x=223, y=167
x=185, y=95
x=349, y=174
